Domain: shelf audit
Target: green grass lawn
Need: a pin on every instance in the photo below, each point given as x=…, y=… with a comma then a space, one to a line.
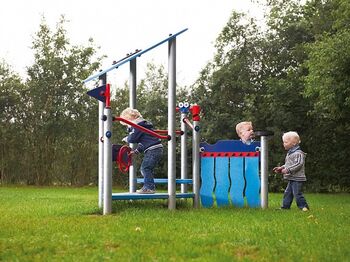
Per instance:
x=65, y=224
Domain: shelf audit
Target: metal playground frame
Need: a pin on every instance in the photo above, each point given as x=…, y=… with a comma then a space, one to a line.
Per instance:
x=102, y=93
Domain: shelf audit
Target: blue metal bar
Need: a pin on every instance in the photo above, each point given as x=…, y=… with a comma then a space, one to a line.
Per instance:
x=133, y=56
x=165, y=181
x=128, y=196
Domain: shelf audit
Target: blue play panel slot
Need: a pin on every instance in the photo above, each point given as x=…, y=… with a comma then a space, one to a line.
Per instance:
x=165, y=181
x=129, y=196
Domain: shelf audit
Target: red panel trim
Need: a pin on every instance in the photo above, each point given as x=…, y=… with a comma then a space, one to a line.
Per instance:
x=230, y=154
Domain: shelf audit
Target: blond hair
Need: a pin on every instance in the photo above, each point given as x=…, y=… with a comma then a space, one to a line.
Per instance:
x=294, y=136
x=241, y=125
x=130, y=114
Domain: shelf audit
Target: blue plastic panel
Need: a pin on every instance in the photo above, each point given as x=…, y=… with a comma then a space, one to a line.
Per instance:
x=238, y=174
x=96, y=93
x=208, y=182
x=124, y=61
x=253, y=181
x=237, y=181
x=222, y=181
x=229, y=146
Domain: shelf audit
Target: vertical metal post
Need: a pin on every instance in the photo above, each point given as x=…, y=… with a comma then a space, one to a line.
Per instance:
x=107, y=152
x=264, y=171
x=184, y=153
x=132, y=104
x=195, y=163
x=171, y=123
x=101, y=106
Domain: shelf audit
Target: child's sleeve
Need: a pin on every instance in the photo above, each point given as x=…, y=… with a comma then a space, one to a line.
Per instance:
x=297, y=161
x=134, y=135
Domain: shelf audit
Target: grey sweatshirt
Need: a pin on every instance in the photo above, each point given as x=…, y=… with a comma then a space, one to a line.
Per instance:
x=295, y=164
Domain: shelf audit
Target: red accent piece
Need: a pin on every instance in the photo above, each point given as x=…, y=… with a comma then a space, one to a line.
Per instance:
x=195, y=110
x=230, y=154
x=108, y=95
x=152, y=133
x=124, y=159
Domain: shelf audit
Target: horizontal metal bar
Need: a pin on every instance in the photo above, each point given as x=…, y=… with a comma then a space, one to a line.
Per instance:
x=178, y=132
x=123, y=61
x=128, y=196
x=165, y=181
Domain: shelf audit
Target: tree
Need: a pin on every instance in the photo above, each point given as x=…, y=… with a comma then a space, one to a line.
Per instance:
x=328, y=90
x=58, y=113
x=287, y=77
x=11, y=87
x=226, y=84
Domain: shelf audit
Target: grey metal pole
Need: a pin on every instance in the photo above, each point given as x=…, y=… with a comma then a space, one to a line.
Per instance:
x=184, y=154
x=107, y=163
x=101, y=106
x=132, y=104
x=264, y=171
x=195, y=163
x=171, y=123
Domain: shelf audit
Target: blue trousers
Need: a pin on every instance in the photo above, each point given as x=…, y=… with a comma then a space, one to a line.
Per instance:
x=149, y=162
x=294, y=189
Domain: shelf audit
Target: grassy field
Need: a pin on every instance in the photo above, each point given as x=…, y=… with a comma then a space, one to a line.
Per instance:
x=64, y=224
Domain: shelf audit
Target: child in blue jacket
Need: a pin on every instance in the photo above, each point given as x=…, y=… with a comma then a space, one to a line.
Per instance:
x=149, y=145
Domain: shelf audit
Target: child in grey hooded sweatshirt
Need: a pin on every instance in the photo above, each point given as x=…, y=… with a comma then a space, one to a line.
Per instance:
x=293, y=170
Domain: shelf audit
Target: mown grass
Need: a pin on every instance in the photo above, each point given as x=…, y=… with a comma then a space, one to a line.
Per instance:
x=64, y=224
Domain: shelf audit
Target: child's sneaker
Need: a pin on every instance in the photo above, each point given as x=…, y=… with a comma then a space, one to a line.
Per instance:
x=145, y=191
x=282, y=208
x=305, y=209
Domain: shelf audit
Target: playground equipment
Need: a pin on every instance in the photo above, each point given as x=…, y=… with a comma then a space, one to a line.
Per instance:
x=108, y=151
x=121, y=154
x=230, y=169
x=102, y=93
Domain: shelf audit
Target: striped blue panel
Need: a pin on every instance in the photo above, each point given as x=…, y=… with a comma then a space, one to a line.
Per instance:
x=237, y=181
x=253, y=181
x=222, y=181
x=208, y=182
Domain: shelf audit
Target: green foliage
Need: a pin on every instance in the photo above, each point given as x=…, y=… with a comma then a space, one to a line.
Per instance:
x=52, y=114
x=293, y=75
x=328, y=83
x=225, y=86
x=54, y=224
x=11, y=132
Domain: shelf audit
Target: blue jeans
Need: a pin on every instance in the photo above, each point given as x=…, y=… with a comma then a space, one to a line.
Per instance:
x=149, y=162
x=294, y=189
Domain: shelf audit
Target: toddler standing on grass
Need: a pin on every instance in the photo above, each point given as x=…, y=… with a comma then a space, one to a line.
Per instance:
x=293, y=170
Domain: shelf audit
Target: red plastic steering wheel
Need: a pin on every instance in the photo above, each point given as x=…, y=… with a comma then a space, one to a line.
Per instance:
x=124, y=159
